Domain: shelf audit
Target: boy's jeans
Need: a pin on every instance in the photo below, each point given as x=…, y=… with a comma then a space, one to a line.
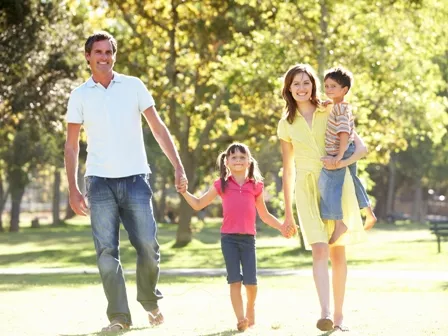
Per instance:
x=330, y=187
x=127, y=199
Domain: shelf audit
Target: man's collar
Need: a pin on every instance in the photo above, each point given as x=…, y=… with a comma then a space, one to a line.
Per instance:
x=117, y=78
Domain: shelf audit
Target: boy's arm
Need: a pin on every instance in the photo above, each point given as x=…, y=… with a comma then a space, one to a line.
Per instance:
x=198, y=203
x=360, y=152
x=265, y=215
x=343, y=143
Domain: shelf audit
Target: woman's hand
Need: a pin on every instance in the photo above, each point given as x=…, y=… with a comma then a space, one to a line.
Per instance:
x=330, y=163
x=289, y=228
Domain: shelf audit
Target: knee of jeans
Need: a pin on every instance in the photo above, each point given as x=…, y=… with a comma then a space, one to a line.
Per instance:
x=108, y=259
x=147, y=248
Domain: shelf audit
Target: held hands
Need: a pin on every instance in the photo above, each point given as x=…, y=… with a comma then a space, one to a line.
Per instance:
x=288, y=229
x=182, y=186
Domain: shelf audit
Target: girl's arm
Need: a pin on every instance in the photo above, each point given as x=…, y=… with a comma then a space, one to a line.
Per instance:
x=198, y=203
x=288, y=179
x=360, y=152
x=265, y=215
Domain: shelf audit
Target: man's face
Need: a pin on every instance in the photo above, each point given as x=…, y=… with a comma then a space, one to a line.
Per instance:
x=101, y=58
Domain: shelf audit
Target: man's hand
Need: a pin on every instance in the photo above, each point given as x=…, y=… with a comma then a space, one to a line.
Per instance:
x=181, y=180
x=78, y=203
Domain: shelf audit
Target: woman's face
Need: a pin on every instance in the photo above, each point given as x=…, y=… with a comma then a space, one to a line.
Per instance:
x=301, y=87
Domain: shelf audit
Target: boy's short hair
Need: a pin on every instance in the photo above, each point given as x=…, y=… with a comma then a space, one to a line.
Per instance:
x=341, y=76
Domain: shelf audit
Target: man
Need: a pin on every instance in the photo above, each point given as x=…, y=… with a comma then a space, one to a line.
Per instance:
x=109, y=106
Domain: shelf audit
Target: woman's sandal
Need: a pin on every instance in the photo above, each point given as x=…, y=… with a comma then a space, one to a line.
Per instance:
x=242, y=324
x=115, y=326
x=324, y=324
x=342, y=328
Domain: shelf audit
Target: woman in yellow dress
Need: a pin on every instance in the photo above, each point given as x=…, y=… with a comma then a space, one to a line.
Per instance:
x=302, y=134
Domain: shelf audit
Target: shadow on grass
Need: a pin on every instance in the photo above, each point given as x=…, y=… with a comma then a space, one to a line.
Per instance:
x=123, y=332
x=23, y=282
x=63, y=256
x=228, y=332
x=444, y=286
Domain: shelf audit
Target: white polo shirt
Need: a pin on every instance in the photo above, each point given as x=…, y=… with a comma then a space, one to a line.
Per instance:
x=112, y=120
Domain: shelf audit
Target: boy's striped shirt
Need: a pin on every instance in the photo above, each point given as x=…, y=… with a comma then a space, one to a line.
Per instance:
x=340, y=120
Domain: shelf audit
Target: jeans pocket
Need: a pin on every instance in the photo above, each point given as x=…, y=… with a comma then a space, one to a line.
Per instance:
x=87, y=182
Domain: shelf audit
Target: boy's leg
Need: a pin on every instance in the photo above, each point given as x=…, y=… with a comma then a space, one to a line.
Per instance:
x=101, y=195
x=330, y=188
x=249, y=265
x=138, y=218
x=363, y=198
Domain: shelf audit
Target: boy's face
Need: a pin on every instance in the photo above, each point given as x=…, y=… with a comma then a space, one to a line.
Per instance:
x=334, y=90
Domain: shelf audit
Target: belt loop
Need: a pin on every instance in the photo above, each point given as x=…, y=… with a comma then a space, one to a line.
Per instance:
x=133, y=180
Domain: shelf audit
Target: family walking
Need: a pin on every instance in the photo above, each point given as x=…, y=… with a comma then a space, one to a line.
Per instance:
x=319, y=147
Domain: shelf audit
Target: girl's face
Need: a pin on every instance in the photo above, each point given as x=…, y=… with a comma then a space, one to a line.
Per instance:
x=237, y=162
x=334, y=90
x=301, y=87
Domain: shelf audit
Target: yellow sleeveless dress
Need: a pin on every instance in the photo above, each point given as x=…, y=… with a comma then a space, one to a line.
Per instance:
x=309, y=147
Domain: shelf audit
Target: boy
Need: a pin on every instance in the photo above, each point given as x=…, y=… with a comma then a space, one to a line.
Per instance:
x=339, y=144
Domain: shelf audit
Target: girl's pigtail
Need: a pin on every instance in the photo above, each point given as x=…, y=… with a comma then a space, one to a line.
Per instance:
x=250, y=173
x=222, y=170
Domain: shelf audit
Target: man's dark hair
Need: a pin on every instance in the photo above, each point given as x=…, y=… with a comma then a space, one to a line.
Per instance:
x=341, y=76
x=100, y=36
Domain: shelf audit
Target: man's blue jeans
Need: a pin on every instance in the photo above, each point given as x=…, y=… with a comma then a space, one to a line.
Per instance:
x=128, y=199
x=330, y=188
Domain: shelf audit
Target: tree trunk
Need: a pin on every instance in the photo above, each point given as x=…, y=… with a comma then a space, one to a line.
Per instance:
x=321, y=47
x=162, y=201
x=16, y=200
x=417, y=211
x=69, y=213
x=184, y=234
x=390, y=200
x=3, y=198
x=56, y=197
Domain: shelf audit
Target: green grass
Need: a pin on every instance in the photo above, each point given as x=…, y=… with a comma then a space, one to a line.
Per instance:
x=75, y=305
x=407, y=246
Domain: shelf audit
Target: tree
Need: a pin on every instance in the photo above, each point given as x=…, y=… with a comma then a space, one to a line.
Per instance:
x=37, y=62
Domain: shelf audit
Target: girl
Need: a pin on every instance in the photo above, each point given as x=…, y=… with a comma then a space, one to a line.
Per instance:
x=302, y=135
x=241, y=189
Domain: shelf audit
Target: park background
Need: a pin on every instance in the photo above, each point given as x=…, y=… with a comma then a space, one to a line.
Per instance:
x=215, y=70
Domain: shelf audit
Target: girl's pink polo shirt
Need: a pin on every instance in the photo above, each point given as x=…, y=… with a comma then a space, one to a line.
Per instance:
x=238, y=205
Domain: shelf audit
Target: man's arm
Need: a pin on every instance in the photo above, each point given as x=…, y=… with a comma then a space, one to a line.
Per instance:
x=163, y=137
x=71, y=153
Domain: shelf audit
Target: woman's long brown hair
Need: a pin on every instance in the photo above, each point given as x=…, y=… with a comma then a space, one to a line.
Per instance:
x=290, y=102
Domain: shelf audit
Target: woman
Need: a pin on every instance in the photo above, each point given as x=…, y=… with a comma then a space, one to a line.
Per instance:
x=302, y=133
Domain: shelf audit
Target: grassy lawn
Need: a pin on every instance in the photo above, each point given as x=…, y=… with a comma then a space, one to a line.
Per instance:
x=408, y=247
x=74, y=305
